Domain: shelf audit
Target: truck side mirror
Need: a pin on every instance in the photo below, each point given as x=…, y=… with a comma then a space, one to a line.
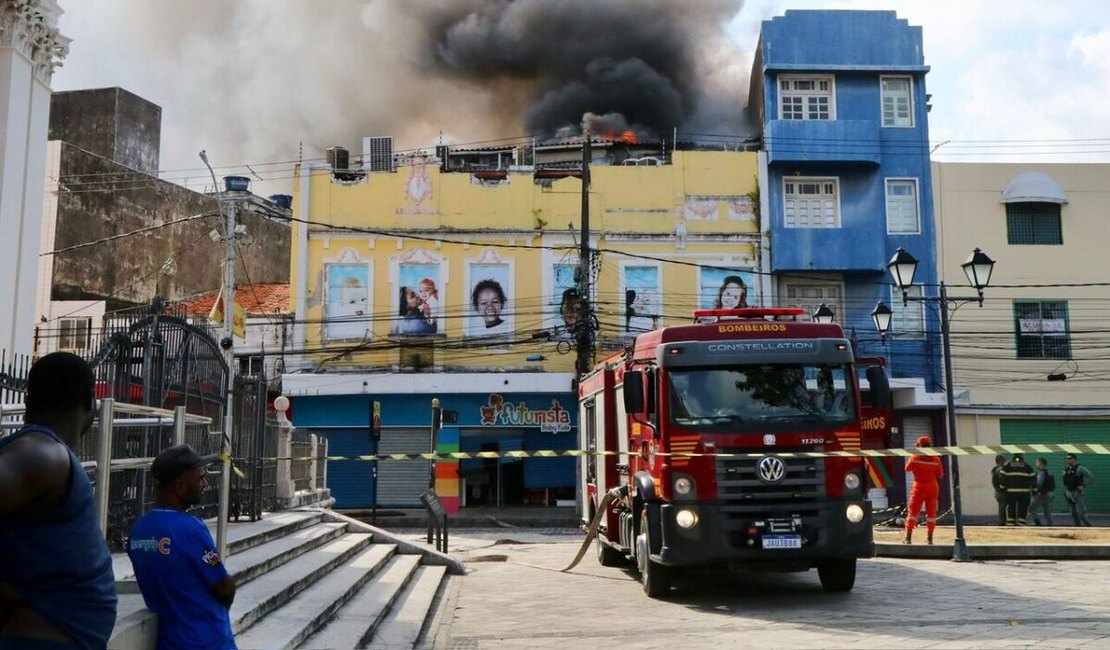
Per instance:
x=634, y=392
x=880, y=387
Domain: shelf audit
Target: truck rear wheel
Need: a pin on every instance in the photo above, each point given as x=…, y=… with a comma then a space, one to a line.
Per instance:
x=837, y=575
x=655, y=577
x=607, y=555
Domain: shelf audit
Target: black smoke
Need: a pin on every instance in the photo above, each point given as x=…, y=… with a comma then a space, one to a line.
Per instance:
x=638, y=64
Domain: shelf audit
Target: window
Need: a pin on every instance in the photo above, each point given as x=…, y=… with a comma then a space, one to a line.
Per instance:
x=897, y=101
x=1042, y=329
x=908, y=320
x=811, y=203
x=901, y=207
x=347, y=306
x=810, y=296
x=1033, y=223
x=74, y=334
x=806, y=98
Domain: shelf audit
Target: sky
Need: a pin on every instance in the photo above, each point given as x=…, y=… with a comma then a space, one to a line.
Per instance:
x=265, y=83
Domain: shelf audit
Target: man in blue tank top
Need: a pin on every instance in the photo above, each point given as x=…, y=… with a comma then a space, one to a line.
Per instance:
x=175, y=560
x=57, y=589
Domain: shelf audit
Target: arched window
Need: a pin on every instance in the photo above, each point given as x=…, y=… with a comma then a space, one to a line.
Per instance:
x=1033, y=203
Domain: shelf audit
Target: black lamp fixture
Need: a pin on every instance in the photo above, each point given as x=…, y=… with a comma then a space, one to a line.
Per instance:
x=823, y=315
x=978, y=269
x=902, y=267
x=881, y=316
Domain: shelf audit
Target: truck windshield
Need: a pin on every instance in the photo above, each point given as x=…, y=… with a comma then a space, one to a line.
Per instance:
x=797, y=396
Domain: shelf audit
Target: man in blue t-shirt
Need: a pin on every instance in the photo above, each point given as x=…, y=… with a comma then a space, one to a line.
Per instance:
x=175, y=560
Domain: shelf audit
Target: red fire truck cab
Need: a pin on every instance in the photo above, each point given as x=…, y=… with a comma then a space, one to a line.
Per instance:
x=693, y=426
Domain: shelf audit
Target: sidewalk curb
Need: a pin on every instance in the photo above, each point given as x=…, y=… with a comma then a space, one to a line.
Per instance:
x=982, y=552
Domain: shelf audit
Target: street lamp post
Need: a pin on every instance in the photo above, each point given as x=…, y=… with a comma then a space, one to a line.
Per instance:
x=227, y=343
x=977, y=268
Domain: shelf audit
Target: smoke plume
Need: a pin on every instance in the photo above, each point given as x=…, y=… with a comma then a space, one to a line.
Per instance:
x=256, y=81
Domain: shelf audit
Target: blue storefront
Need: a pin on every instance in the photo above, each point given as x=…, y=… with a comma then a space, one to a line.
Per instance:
x=486, y=421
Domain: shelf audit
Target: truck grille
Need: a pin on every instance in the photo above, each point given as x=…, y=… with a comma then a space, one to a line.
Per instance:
x=742, y=491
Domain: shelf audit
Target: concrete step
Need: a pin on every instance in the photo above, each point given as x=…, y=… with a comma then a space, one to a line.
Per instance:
x=240, y=537
x=245, y=535
x=290, y=624
x=258, y=559
x=136, y=626
x=268, y=592
x=360, y=617
x=404, y=624
x=253, y=562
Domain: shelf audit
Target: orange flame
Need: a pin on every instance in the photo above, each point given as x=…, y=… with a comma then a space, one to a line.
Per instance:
x=629, y=136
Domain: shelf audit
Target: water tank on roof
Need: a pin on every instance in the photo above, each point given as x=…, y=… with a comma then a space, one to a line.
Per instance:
x=282, y=200
x=237, y=183
x=339, y=158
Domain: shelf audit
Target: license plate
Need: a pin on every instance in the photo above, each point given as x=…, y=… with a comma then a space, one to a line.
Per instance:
x=782, y=541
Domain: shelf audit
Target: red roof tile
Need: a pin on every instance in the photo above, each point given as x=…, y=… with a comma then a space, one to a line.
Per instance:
x=256, y=299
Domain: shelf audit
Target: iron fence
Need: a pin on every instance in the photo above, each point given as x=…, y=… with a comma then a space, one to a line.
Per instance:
x=301, y=465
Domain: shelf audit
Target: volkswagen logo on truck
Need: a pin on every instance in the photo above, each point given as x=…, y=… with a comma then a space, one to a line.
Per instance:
x=771, y=470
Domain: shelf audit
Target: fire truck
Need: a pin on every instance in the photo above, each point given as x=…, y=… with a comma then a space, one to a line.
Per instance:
x=691, y=429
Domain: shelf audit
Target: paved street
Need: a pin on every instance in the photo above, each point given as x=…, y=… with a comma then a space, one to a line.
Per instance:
x=517, y=598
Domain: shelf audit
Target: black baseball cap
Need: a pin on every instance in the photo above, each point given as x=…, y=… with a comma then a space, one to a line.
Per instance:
x=175, y=461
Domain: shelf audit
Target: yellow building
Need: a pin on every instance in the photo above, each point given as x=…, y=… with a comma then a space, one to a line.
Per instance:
x=421, y=283
x=1030, y=365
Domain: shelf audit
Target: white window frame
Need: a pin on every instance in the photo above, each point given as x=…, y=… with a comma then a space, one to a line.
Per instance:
x=898, y=123
x=489, y=257
x=661, y=297
x=337, y=327
x=902, y=320
x=790, y=206
x=837, y=304
x=71, y=324
x=806, y=95
x=916, y=205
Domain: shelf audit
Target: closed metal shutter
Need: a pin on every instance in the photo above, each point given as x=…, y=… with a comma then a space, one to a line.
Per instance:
x=548, y=472
x=913, y=427
x=401, y=482
x=350, y=481
x=1056, y=432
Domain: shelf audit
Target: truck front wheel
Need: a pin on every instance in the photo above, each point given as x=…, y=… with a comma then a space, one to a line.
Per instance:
x=655, y=577
x=837, y=575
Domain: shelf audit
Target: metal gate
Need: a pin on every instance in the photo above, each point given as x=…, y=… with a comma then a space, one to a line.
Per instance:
x=401, y=482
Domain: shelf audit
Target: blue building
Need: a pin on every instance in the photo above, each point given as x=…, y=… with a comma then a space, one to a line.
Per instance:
x=840, y=100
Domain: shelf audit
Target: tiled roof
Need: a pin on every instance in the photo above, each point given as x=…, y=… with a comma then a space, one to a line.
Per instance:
x=256, y=299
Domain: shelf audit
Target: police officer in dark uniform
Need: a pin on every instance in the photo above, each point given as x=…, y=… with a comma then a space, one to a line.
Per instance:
x=1018, y=482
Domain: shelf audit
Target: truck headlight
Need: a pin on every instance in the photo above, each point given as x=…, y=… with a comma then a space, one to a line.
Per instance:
x=854, y=513
x=683, y=486
x=851, y=481
x=687, y=518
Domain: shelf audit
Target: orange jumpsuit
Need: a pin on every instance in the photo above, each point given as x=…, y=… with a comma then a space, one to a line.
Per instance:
x=927, y=471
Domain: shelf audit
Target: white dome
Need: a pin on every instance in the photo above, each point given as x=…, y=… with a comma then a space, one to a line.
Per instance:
x=1033, y=187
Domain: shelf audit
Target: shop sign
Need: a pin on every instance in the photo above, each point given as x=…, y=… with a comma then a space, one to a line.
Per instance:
x=498, y=412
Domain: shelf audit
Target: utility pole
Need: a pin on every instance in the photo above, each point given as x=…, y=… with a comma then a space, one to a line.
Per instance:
x=584, y=323
x=227, y=344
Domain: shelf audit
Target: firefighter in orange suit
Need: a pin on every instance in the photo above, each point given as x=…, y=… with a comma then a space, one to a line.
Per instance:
x=927, y=472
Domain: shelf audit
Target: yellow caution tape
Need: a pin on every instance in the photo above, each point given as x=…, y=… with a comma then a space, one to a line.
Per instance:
x=975, y=450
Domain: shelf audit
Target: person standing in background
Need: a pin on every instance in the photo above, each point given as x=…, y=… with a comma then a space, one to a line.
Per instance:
x=1042, y=493
x=1076, y=480
x=999, y=493
x=1018, y=481
x=927, y=472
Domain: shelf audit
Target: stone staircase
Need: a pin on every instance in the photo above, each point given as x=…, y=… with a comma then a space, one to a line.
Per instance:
x=312, y=578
